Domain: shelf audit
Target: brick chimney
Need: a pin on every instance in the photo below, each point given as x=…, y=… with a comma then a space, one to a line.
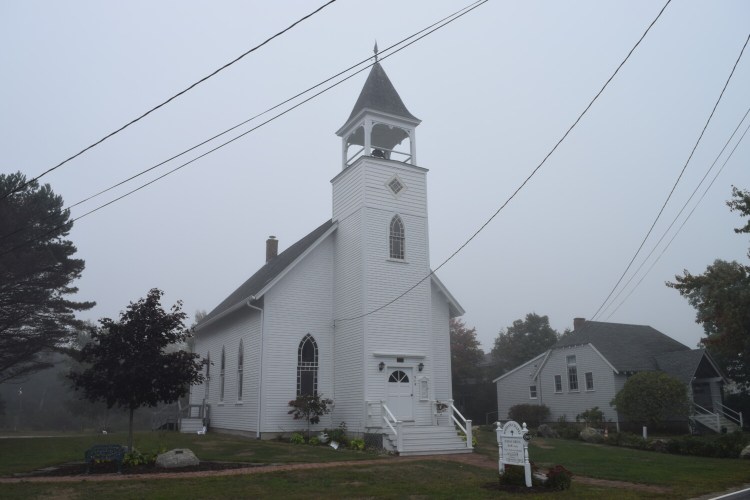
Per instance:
x=272, y=248
x=578, y=323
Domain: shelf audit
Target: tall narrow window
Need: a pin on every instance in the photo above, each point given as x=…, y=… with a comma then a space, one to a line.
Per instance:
x=208, y=375
x=221, y=374
x=307, y=367
x=397, y=238
x=558, y=383
x=532, y=391
x=240, y=362
x=589, y=381
x=572, y=374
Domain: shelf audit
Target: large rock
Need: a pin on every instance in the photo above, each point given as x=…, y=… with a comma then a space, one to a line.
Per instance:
x=745, y=453
x=173, y=459
x=591, y=435
x=546, y=431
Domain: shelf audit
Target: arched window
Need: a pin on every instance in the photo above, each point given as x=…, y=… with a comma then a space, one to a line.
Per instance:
x=208, y=374
x=396, y=238
x=240, y=361
x=307, y=367
x=221, y=374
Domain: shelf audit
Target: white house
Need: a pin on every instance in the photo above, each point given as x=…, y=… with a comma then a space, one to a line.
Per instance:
x=351, y=311
x=590, y=365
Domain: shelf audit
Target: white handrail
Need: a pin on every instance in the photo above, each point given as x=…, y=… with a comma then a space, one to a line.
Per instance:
x=397, y=430
x=466, y=428
x=734, y=415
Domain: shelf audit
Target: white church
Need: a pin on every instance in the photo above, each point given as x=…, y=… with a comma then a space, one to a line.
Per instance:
x=320, y=317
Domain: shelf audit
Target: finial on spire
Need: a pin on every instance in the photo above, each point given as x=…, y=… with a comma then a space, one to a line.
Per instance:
x=375, y=50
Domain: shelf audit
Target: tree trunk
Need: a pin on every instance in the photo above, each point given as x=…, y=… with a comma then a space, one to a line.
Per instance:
x=130, y=431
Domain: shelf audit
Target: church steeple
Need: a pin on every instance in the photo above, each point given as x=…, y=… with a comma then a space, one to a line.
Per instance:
x=379, y=123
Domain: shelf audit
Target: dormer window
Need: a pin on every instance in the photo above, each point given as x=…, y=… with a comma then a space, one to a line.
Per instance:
x=397, y=238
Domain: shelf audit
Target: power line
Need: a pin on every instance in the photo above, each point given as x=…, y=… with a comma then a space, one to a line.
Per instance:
x=643, y=242
x=519, y=188
x=168, y=100
x=434, y=27
x=684, y=206
x=683, y=222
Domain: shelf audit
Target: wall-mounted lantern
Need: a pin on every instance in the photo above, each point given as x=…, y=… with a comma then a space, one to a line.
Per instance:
x=420, y=366
x=381, y=366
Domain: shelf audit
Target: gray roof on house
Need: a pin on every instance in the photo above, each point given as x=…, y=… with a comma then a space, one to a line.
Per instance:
x=379, y=94
x=682, y=365
x=268, y=272
x=626, y=347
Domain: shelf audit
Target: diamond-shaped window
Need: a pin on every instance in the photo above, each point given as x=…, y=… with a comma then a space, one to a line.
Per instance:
x=395, y=185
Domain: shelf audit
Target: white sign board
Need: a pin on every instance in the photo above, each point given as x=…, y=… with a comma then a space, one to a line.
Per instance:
x=513, y=447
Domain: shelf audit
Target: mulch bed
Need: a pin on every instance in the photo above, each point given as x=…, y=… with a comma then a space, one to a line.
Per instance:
x=79, y=469
x=516, y=489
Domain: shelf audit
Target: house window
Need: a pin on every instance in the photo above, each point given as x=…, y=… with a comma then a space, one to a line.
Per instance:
x=307, y=367
x=397, y=238
x=572, y=374
x=589, y=381
x=532, y=391
x=558, y=383
x=208, y=375
x=221, y=374
x=240, y=367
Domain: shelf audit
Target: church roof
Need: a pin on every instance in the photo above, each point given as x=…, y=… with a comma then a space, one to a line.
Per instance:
x=379, y=94
x=266, y=274
x=626, y=347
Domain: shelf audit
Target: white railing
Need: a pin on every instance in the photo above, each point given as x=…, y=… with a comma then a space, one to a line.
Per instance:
x=464, y=425
x=390, y=420
x=711, y=420
x=730, y=414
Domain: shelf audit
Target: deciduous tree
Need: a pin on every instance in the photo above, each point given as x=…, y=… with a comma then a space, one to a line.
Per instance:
x=523, y=340
x=721, y=297
x=36, y=271
x=466, y=352
x=130, y=365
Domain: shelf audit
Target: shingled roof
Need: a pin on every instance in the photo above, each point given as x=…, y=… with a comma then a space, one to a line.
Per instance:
x=267, y=273
x=626, y=347
x=379, y=94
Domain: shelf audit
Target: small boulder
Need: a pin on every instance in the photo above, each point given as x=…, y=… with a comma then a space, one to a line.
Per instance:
x=173, y=459
x=546, y=431
x=745, y=453
x=591, y=435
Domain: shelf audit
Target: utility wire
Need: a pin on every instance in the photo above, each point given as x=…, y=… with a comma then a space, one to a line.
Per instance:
x=683, y=222
x=452, y=18
x=666, y=231
x=519, y=188
x=168, y=100
x=643, y=242
x=286, y=101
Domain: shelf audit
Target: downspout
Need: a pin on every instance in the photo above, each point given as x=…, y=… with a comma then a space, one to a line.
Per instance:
x=260, y=381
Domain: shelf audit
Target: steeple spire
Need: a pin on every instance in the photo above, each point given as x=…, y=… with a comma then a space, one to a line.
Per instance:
x=376, y=51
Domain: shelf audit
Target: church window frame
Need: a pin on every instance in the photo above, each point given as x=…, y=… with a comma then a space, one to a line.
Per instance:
x=222, y=373
x=240, y=369
x=307, y=366
x=397, y=238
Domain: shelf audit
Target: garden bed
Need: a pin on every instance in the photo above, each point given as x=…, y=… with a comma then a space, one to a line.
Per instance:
x=79, y=469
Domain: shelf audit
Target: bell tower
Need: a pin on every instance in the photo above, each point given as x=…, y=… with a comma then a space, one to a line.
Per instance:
x=379, y=125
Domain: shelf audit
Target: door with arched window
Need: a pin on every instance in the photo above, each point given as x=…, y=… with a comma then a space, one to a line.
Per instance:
x=400, y=391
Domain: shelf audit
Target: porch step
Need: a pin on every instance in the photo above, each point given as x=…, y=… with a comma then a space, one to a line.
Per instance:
x=428, y=440
x=709, y=421
x=191, y=425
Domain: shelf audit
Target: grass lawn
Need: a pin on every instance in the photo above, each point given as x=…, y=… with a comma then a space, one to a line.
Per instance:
x=685, y=476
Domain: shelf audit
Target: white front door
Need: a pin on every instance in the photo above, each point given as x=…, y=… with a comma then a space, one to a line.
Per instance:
x=401, y=393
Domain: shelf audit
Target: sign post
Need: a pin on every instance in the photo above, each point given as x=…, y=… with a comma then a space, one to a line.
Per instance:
x=513, y=447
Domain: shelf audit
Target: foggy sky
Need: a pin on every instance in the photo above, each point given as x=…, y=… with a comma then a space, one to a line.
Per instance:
x=495, y=90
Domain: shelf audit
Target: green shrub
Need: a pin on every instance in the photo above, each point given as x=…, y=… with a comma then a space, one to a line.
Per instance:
x=558, y=478
x=338, y=434
x=721, y=446
x=532, y=415
x=567, y=430
x=297, y=438
x=135, y=458
x=314, y=441
x=514, y=475
x=592, y=417
x=357, y=444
